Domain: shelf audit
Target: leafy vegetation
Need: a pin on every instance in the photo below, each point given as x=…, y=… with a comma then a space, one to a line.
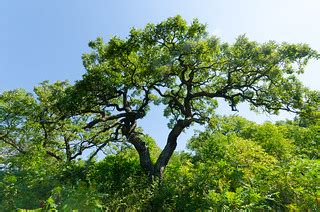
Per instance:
x=50, y=140
x=234, y=164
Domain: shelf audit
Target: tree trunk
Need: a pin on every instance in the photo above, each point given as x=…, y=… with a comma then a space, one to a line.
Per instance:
x=144, y=154
x=156, y=171
x=170, y=147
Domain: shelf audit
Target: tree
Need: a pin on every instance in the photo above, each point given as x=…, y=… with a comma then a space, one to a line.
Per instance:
x=172, y=63
x=236, y=165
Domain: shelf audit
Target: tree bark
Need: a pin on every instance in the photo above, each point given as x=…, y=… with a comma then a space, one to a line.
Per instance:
x=155, y=171
x=144, y=154
x=170, y=147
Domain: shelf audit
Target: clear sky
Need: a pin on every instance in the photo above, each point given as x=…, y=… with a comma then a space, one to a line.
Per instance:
x=44, y=40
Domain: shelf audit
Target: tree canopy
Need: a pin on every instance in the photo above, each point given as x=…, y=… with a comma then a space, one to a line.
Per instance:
x=184, y=68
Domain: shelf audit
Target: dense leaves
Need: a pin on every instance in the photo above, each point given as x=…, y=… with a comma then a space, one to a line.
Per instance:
x=184, y=68
x=234, y=164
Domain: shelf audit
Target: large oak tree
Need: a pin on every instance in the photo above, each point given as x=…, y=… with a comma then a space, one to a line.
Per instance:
x=172, y=63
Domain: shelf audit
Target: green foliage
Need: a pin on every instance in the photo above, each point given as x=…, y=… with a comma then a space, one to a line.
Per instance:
x=26, y=182
x=234, y=164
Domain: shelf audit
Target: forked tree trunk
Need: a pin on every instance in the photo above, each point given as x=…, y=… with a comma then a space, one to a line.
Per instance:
x=156, y=171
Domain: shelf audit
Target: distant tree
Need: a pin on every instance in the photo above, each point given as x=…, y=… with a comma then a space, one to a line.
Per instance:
x=172, y=63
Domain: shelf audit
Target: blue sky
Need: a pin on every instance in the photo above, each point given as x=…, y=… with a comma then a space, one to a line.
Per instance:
x=44, y=40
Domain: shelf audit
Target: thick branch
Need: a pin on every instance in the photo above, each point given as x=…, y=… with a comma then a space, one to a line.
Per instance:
x=53, y=155
x=144, y=154
x=12, y=144
x=171, y=145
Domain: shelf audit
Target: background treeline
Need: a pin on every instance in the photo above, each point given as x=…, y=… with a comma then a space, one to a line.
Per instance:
x=234, y=164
